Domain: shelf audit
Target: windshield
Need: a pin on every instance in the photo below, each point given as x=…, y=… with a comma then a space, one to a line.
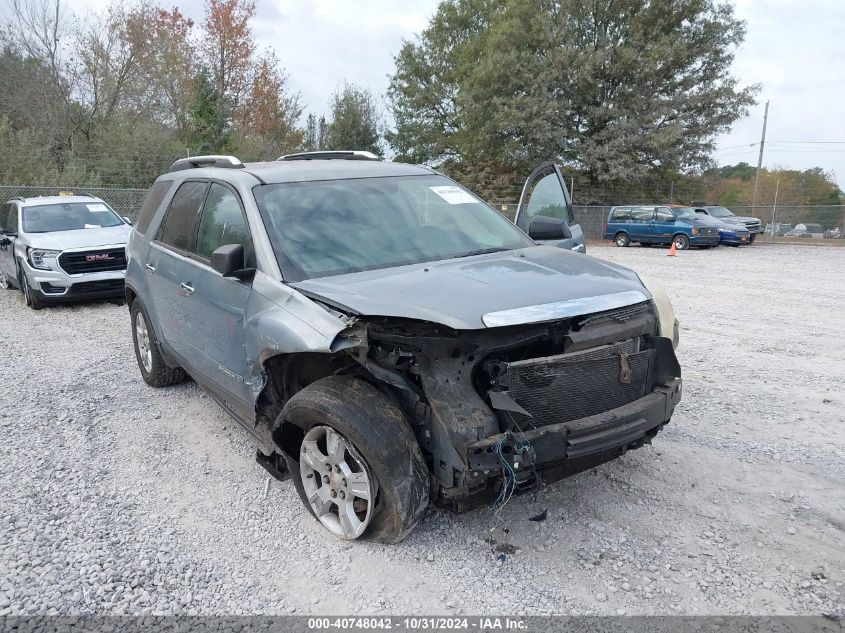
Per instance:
x=719, y=212
x=342, y=226
x=686, y=213
x=68, y=216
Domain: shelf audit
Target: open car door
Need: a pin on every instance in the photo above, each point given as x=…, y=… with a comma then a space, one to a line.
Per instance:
x=545, y=210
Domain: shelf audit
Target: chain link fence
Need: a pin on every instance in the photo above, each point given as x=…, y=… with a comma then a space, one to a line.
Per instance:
x=781, y=223
x=127, y=202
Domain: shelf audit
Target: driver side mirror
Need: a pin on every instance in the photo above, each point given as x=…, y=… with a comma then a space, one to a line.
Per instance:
x=229, y=260
x=127, y=219
x=545, y=228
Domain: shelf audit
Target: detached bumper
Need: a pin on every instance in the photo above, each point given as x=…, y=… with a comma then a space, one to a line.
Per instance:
x=560, y=450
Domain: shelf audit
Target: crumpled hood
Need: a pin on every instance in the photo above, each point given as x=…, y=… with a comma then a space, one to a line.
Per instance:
x=81, y=238
x=457, y=293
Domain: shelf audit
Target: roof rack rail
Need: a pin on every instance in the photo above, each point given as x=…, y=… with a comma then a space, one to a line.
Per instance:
x=21, y=198
x=332, y=155
x=193, y=162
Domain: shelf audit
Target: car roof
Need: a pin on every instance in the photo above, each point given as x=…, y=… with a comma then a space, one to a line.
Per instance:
x=39, y=200
x=275, y=172
x=312, y=170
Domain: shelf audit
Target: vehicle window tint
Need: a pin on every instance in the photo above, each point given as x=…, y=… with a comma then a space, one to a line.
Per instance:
x=642, y=214
x=12, y=219
x=622, y=214
x=5, y=220
x=151, y=204
x=178, y=227
x=222, y=222
x=664, y=215
x=546, y=198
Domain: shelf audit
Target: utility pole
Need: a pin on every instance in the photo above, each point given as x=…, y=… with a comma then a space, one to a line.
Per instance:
x=760, y=159
x=775, y=210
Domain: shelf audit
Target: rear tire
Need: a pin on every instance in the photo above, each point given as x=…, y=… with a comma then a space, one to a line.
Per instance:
x=377, y=438
x=154, y=370
x=5, y=283
x=622, y=240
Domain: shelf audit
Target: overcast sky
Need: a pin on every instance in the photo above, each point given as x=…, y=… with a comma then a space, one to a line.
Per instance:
x=795, y=50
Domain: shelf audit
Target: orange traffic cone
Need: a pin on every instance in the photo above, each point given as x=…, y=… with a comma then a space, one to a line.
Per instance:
x=672, y=250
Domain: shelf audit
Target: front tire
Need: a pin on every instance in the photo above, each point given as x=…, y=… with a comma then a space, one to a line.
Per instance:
x=681, y=242
x=154, y=370
x=356, y=441
x=622, y=240
x=30, y=296
x=5, y=284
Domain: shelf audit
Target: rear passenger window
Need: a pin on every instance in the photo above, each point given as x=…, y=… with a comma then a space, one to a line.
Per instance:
x=222, y=223
x=181, y=219
x=622, y=214
x=151, y=204
x=642, y=215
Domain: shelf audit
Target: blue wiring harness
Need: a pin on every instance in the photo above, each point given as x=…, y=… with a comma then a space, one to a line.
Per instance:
x=508, y=474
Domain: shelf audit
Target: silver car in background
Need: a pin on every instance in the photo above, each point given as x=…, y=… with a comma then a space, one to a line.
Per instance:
x=62, y=248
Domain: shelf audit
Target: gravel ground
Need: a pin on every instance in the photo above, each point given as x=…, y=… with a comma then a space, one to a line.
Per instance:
x=118, y=498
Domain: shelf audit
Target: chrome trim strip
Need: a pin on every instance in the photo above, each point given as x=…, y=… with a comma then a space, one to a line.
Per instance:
x=563, y=309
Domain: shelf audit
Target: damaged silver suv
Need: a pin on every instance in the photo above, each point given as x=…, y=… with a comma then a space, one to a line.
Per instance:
x=389, y=339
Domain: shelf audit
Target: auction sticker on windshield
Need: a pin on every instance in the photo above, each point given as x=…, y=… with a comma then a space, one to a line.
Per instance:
x=97, y=207
x=453, y=195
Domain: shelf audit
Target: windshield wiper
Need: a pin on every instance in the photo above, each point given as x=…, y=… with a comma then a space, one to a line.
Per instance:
x=482, y=251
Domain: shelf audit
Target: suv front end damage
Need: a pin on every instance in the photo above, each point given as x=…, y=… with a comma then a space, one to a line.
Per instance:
x=524, y=404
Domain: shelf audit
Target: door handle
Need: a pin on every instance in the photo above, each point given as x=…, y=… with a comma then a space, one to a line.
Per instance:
x=187, y=287
x=151, y=268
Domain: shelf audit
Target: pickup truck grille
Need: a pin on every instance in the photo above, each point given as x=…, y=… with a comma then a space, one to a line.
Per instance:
x=753, y=225
x=93, y=261
x=571, y=386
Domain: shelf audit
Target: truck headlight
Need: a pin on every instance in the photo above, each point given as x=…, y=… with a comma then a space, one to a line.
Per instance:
x=665, y=313
x=43, y=259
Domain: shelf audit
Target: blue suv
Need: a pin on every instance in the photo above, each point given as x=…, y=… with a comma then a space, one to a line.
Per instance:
x=656, y=224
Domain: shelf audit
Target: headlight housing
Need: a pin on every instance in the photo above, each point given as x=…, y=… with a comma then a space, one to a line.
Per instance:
x=694, y=231
x=42, y=258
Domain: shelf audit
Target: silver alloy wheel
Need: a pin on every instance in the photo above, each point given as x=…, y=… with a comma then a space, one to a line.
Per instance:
x=4, y=281
x=142, y=338
x=680, y=242
x=621, y=240
x=337, y=482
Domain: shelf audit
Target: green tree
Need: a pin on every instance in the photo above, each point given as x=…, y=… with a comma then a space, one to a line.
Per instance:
x=315, y=134
x=210, y=117
x=355, y=121
x=614, y=89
